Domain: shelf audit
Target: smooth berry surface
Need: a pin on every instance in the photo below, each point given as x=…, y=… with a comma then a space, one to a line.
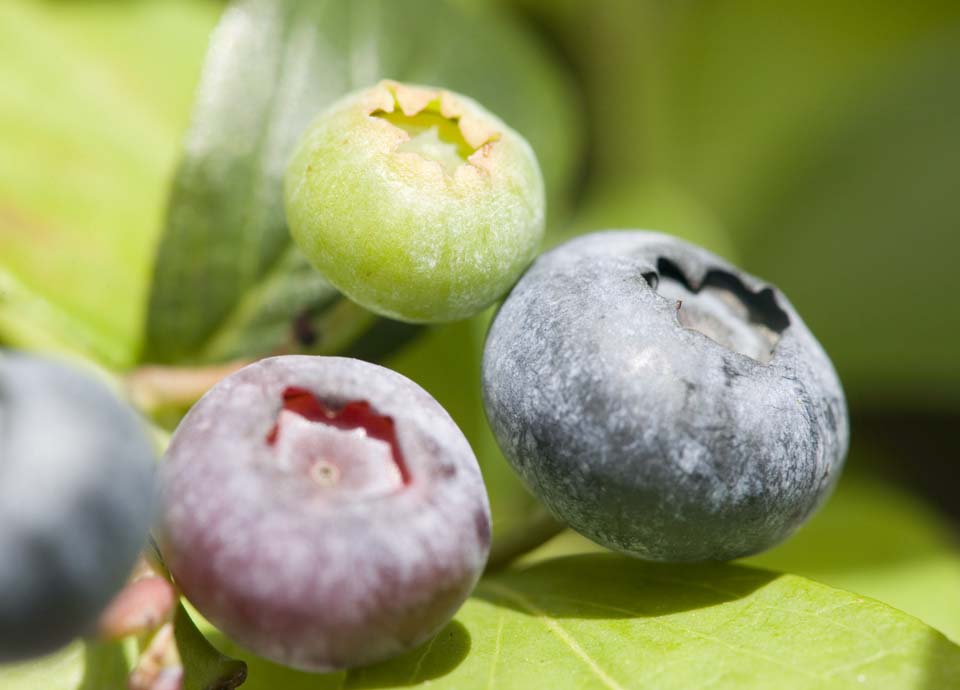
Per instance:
x=323, y=512
x=415, y=202
x=76, y=500
x=661, y=401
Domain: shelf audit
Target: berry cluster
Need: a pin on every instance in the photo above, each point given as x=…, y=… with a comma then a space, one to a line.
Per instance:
x=326, y=512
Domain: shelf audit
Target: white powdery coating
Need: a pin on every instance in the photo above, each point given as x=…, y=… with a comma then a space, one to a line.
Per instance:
x=648, y=436
x=308, y=581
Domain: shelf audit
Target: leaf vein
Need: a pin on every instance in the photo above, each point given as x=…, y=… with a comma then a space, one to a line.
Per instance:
x=558, y=630
x=496, y=652
x=426, y=652
x=682, y=629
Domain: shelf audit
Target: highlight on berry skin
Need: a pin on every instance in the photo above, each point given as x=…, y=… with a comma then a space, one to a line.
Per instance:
x=415, y=202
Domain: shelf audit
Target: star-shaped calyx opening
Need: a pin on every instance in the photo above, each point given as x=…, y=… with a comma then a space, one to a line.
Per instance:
x=438, y=126
x=350, y=449
x=723, y=308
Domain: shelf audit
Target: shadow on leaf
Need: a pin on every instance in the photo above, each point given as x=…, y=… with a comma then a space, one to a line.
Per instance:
x=606, y=585
x=843, y=535
x=432, y=660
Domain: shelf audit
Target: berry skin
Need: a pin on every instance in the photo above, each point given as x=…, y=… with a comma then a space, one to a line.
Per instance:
x=76, y=501
x=415, y=202
x=662, y=402
x=323, y=512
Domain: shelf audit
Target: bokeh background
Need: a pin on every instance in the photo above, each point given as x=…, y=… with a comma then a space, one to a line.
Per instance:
x=815, y=143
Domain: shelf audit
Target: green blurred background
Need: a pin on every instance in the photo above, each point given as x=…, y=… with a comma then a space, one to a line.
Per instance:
x=817, y=144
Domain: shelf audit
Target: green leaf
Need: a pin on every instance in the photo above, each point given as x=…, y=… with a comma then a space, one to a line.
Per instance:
x=79, y=666
x=876, y=539
x=609, y=622
x=94, y=97
x=618, y=622
x=228, y=280
x=205, y=668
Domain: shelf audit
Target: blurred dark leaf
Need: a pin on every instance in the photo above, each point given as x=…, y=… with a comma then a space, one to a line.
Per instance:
x=228, y=280
x=658, y=206
x=93, y=98
x=922, y=447
x=865, y=238
x=722, y=98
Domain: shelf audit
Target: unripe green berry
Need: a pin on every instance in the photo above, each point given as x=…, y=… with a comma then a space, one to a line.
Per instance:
x=415, y=202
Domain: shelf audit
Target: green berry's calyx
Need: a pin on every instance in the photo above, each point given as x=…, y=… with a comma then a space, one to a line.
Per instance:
x=438, y=129
x=415, y=202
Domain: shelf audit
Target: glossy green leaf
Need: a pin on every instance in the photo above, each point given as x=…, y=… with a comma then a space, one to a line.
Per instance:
x=205, y=668
x=228, y=280
x=93, y=97
x=880, y=541
x=608, y=622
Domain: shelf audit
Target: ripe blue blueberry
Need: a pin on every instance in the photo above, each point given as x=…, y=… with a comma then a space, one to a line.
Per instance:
x=76, y=500
x=323, y=512
x=661, y=401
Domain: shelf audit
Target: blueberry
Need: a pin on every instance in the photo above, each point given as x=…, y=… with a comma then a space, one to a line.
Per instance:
x=323, y=512
x=415, y=202
x=76, y=501
x=661, y=401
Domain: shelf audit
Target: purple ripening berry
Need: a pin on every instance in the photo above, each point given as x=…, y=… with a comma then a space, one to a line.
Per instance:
x=323, y=512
